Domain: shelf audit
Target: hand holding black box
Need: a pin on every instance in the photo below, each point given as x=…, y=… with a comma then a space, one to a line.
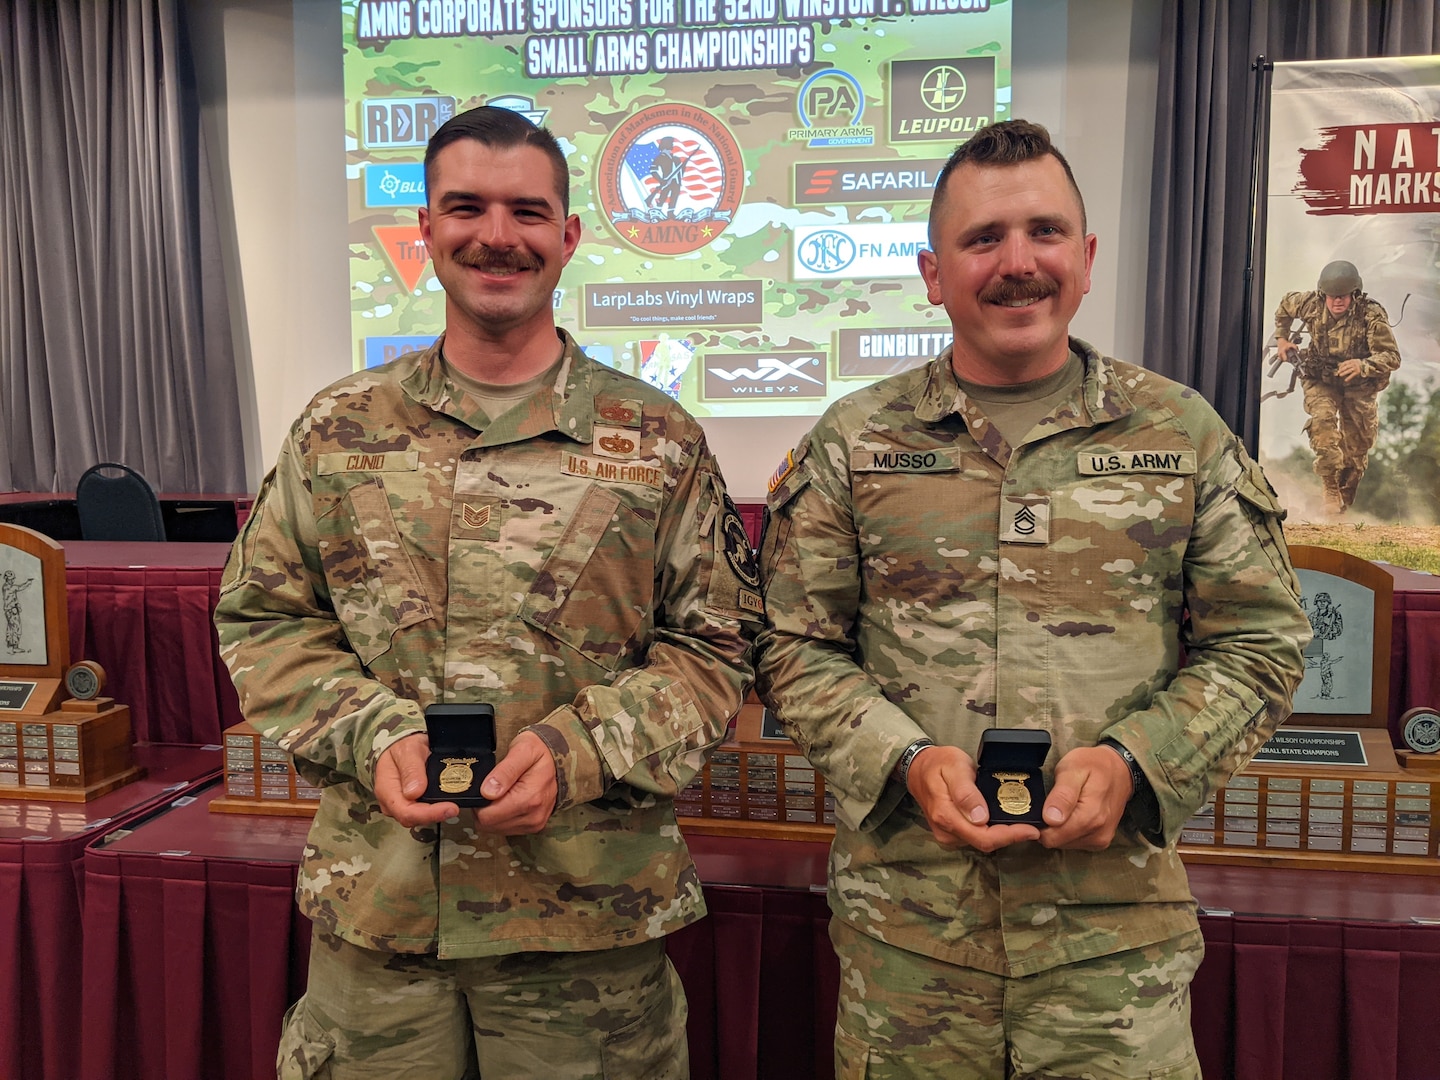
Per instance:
x=462, y=753
x=1008, y=774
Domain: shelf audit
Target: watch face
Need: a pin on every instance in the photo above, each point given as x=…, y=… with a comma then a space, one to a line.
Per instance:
x=1420, y=728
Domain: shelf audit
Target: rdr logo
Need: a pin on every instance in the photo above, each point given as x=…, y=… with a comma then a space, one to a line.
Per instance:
x=402, y=123
x=831, y=106
x=670, y=179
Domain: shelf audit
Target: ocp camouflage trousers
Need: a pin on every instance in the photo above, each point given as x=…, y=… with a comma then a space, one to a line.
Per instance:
x=1342, y=426
x=904, y=1016
x=616, y=1014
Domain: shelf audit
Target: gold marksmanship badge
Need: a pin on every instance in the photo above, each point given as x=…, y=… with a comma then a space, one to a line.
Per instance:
x=456, y=776
x=1013, y=796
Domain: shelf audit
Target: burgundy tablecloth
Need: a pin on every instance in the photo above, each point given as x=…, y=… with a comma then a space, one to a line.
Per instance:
x=193, y=946
x=41, y=898
x=191, y=957
x=143, y=612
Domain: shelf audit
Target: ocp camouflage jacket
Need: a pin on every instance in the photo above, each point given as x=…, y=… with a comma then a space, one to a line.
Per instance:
x=923, y=578
x=576, y=564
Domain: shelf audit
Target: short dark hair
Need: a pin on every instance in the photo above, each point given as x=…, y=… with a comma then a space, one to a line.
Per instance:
x=500, y=129
x=1010, y=142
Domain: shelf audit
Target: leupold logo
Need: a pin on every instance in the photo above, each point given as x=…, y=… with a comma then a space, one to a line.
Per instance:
x=670, y=179
x=826, y=252
x=942, y=90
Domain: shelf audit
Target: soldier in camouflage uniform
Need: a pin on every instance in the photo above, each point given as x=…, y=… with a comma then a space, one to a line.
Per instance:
x=1022, y=534
x=496, y=519
x=1351, y=355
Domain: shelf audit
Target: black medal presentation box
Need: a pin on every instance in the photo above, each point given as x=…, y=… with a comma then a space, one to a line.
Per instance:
x=757, y=783
x=462, y=753
x=1008, y=774
x=260, y=778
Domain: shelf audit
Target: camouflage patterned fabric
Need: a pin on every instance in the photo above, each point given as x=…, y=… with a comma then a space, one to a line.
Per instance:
x=1343, y=415
x=612, y=1015
x=574, y=564
x=903, y=1016
x=924, y=579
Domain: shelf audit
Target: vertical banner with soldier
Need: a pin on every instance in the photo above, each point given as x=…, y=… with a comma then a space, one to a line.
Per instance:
x=1349, y=417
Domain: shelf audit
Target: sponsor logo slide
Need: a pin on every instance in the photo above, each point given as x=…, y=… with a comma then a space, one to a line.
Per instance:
x=675, y=303
x=871, y=354
x=831, y=106
x=381, y=350
x=858, y=251
x=395, y=123
x=833, y=183
x=941, y=100
x=395, y=185
x=748, y=375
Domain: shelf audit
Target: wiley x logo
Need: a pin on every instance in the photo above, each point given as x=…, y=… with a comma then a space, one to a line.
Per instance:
x=771, y=369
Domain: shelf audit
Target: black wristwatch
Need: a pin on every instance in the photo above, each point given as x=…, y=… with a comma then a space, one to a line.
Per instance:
x=1138, y=784
x=907, y=758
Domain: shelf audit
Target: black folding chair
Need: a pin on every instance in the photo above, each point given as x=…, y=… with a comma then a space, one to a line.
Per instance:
x=116, y=503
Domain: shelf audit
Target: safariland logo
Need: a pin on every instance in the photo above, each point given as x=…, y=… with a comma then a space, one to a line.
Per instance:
x=670, y=179
x=397, y=123
x=834, y=183
x=831, y=105
x=826, y=252
x=768, y=375
x=941, y=100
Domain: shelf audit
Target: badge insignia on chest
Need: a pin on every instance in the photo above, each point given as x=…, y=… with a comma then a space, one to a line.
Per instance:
x=475, y=517
x=1025, y=519
x=614, y=442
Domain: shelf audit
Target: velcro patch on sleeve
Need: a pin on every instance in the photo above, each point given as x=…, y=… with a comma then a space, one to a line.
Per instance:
x=367, y=461
x=1103, y=463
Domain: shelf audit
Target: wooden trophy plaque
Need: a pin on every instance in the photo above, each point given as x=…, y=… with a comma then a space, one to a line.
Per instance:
x=757, y=783
x=260, y=778
x=59, y=739
x=1328, y=790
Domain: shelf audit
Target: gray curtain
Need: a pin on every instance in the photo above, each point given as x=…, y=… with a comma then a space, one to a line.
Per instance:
x=114, y=328
x=1201, y=194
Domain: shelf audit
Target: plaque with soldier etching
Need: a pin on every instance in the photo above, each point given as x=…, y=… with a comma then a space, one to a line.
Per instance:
x=59, y=739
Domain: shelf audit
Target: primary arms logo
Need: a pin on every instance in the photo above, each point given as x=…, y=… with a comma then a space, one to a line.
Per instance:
x=831, y=105
x=941, y=100
x=670, y=179
x=734, y=376
x=394, y=123
x=826, y=252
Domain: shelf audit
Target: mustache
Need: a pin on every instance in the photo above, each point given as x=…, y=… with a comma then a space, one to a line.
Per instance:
x=1008, y=290
x=481, y=257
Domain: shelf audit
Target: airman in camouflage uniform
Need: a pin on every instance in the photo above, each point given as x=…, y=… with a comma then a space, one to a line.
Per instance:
x=931, y=571
x=572, y=560
x=1351, y=355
